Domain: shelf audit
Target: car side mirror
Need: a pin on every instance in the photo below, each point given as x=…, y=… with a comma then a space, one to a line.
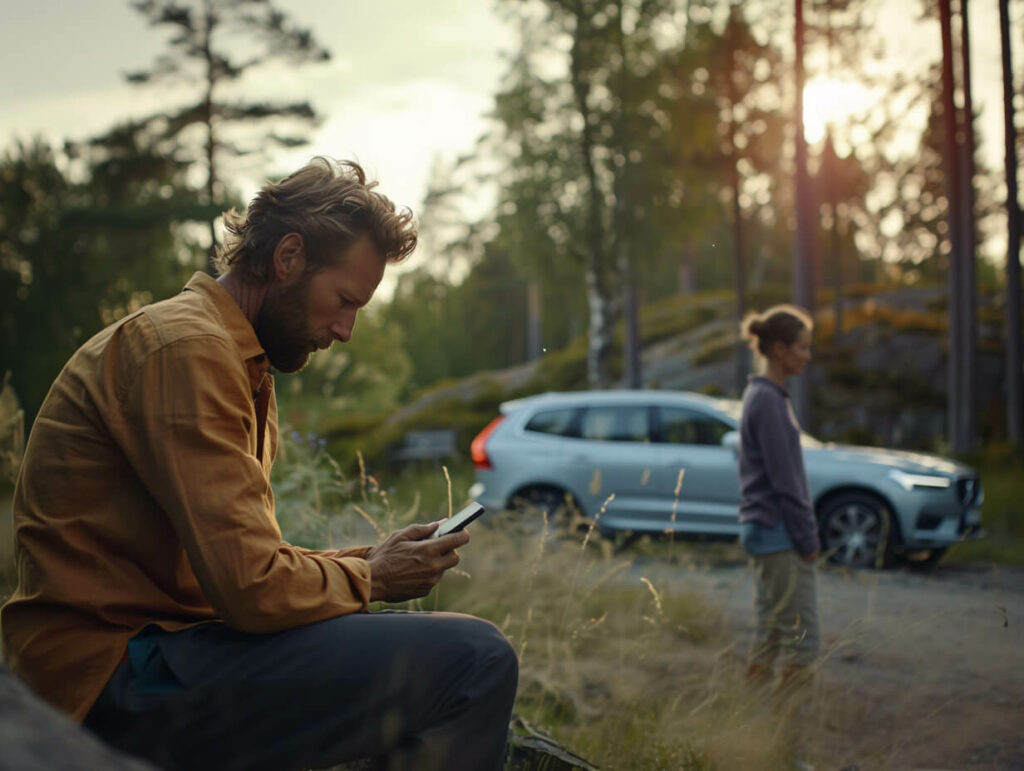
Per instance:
x=731, y=439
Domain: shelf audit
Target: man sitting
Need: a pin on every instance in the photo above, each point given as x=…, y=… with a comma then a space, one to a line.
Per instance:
x=157, y=601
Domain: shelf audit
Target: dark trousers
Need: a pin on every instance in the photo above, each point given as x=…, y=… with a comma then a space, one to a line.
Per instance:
x=410, y=691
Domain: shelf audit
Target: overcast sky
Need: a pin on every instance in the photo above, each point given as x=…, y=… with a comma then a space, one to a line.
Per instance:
x=409, y=79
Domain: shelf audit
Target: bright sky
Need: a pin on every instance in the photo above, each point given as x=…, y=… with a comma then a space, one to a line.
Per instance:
x=410, y=80
x=912, y=45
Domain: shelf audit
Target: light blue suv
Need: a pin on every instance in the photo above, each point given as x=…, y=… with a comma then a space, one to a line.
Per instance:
x=660, y=461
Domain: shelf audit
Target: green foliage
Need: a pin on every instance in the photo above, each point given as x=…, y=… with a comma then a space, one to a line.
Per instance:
x=564, y=370
x=676, y=315
x=1002, y=511
x=918, y=200
x=619, y=139
x=204, y=52
x=320, y=504
x=596, y=166
x=714, y=352
x=368, y=375
x=454, y=331
x=77, y=255
x=309, y=487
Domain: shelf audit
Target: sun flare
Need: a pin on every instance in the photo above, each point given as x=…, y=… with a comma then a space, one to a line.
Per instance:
x=831, y=101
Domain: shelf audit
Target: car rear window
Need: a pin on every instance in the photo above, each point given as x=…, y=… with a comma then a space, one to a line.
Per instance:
x=559, y=422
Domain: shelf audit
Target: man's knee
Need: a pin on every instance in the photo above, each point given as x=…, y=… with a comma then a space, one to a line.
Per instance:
x=493, y=644
x=504, y=659
x=494, y=657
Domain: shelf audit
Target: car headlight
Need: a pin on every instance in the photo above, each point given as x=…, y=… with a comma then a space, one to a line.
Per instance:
x=927, y=481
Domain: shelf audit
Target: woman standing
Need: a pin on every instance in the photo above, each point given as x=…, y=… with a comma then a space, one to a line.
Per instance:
x=777, y=523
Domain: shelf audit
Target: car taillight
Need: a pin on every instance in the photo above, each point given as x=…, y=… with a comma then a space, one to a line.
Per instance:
x=478, y=449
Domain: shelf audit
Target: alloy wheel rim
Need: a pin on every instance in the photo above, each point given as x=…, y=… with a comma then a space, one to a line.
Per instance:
x=854, y=533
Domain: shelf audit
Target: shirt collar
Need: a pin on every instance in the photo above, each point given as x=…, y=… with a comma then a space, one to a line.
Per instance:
x=235, y=322
x=770, y=383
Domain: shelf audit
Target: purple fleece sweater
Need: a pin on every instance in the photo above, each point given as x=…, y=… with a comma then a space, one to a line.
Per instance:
x=773, y=481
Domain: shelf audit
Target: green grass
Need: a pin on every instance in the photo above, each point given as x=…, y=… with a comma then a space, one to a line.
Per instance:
x=1002, y=511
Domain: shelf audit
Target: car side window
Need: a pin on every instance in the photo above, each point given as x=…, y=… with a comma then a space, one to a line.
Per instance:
x=559, y=422
x=613, y=423
x=677, y=425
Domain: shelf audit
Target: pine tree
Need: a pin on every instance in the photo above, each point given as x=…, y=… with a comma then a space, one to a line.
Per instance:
x=213, y=44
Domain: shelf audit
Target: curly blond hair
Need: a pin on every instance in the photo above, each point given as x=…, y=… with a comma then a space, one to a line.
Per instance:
x=330, y=204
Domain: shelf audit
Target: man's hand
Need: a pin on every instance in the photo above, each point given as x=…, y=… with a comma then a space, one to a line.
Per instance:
x=810, y=557
x=406, y=566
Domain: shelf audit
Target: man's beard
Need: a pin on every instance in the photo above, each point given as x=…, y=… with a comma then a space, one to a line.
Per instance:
x=282, y=325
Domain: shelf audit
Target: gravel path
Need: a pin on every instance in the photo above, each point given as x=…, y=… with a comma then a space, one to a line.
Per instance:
x=921, y=670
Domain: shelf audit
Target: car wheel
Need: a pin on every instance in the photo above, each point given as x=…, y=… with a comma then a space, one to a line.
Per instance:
x=857, y=531
x=558, y=506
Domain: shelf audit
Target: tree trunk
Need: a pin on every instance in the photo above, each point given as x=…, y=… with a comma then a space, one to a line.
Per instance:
x=534, y=321
x=954, y=273
x=1014, y=385
x=623, y=235
x=687, y=277
x=596, y=280
x=632, y=365
x=837, y=280
x=969, y=289
x=599, y=330
x=831, y=169
x=803, y=272
x=828, y=174
x=739, y=277
x=211, y=144
x=601, y=314
x=739, y=265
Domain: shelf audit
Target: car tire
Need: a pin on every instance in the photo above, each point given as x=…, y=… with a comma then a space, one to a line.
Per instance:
x=563, y=513
x=857, y=531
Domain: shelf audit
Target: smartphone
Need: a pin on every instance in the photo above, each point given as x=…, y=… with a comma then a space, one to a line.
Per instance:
x=458, y=521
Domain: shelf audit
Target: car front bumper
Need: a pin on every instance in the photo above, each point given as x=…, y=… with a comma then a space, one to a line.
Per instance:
x=938, y=527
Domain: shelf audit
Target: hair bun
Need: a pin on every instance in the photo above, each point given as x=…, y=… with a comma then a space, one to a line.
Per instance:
x=756, y=327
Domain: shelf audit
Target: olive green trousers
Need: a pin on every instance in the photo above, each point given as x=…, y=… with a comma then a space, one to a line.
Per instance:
x=787, y=610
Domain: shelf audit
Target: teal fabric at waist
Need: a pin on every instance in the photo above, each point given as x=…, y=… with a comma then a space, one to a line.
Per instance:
x=760, y=539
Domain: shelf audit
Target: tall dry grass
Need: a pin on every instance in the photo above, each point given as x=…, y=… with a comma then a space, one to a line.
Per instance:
x=620, y=660
x=12, y=447
x=8, y=573
x=625, y=670
x=622, y=668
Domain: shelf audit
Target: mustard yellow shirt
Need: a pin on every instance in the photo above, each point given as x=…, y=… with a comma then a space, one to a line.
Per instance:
x=144, y=498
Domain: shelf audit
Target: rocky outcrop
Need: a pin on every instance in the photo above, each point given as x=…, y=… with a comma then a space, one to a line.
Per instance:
x=36, y=737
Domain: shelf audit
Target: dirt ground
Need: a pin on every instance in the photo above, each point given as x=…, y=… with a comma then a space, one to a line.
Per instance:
x=920, y=670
